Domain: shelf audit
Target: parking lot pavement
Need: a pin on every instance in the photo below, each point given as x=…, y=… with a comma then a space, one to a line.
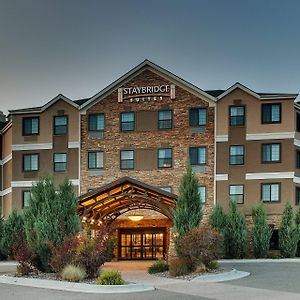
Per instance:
x=275, y=276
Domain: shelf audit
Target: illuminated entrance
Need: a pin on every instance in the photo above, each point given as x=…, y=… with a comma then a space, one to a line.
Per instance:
x=142, y=244
x=117, y=202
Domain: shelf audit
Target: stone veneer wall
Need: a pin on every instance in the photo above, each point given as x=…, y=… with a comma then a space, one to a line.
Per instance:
x=179, y=138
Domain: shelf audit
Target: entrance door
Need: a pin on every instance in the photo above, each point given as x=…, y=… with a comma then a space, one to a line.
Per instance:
x=142, y=244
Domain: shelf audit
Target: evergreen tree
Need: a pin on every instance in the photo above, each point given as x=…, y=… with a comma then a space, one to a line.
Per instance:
x=2, y=255
x=261, y=231
x=235, y=233
x=48, y=217
x=297, y=223
x=12, y=227
x=188, y=212
x=288, y=233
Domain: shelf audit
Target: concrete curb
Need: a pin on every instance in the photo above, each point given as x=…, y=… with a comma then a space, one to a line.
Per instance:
x=259, y=260
x=76, y=287
x=226, y=276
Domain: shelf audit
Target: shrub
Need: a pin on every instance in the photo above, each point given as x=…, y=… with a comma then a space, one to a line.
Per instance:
x=73, y=273
x=63, y=254
x=2, y=255
x=158, y=267
x=24, y=255
x=297, y=223
x=213, y=265
x=188, y=212
x=261, y=232
x=200, y=245
x=235, y=239
x=178, y=267
x=288, y=233
x=12, y=228
x=110, y=277
x=92, y=252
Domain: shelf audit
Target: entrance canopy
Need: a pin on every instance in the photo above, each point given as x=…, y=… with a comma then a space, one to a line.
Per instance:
x=110, y=201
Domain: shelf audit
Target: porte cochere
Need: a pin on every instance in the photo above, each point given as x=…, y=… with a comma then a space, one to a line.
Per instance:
x=142, y=214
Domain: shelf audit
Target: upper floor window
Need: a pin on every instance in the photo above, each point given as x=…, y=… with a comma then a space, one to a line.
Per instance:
x=270, y=192
x=165, y=158
x=60, y=125
x=198, y=116
x=197, y=155
x=26, y=198
x=95, y=160
x=271, y=113
x=202, y=193
x=237, y=155
x=30, y=162
x=60, y=162
x=127, y=159
x=127, y=121
x=96, y=122
x=236, y=193
x=237, y=115
x=31, y=125
x=165, y=119
x=271, y=153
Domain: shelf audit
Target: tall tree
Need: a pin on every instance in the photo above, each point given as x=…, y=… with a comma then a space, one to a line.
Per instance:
x=288, y=233
x=188, y=212
x=236, y=234
x=261, y=231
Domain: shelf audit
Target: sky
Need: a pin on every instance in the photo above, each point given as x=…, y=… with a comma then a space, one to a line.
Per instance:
x=77, y=48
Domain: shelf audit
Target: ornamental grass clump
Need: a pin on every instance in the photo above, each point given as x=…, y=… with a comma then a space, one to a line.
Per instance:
x=110, y=277
x=73, y=273
x=178, y=267
x=158, y=267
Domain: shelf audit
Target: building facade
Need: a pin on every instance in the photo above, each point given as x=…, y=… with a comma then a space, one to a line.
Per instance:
x=132, y=141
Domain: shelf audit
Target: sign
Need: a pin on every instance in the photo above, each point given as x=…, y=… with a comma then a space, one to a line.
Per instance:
x=146, y=93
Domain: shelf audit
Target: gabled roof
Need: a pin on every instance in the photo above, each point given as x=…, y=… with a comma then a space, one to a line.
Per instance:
x=146, y=64
x=261, y=96
x=40, y=109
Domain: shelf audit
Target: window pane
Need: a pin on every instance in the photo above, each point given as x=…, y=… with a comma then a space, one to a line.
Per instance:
x=275, y=113
x=194, y=117
x=237, y=115
x=35, y=125
x=60, y=157
x=165, y=158
x=26, y=198
x=194, y=156
x=34, y=162
x=164, y=153
x=275, y=192
x=61, y=120
x=202, y=116
x=128, y=117
x=201, y=155
x=236, y=150
x=276, y=152
x=266, y=191
x=165, y=119
x=127, y=155
x=266, y=152
x=202, y=193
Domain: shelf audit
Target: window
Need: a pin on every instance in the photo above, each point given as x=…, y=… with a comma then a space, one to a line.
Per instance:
x=127, y=159
x=30, y=162
x=236, y=193
x=270, y=192
x=297, y=159
x=26, y=198
x=95, y=160
x=298, y=122
x=96, y=122
x=271, y=113
x=31, y=126
x=198, y=155
x=198, y=117
x=297, y=196
x=127, y=121
x=236, y=155
x=166, y=188
x=237, y=115
x=202, y=193
x=60, y=125
x=60, y=162
x=165, y=158
x=165, y=119
x=271, y=153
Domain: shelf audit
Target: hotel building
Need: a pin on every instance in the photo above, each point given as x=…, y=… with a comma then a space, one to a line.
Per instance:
x=126, y=148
